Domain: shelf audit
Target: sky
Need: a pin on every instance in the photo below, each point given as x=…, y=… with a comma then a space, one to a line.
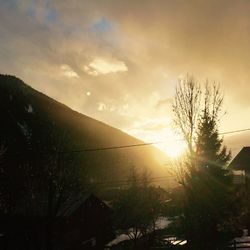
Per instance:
x=119, y=61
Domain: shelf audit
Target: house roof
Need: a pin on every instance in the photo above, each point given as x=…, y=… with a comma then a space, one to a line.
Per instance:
x=74, y=204
x=242, y=160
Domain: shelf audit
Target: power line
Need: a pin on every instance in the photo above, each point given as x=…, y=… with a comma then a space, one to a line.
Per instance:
x=119, y=147
x=82, y=150
x=120, y=183
x=150, y=179
x=143, y=144
x=125, y=184
x=235, y=131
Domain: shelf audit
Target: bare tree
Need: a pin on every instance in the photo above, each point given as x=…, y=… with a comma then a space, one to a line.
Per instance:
x=204, y=181
x=190, y=104
x=186, y=108
x=213, y=101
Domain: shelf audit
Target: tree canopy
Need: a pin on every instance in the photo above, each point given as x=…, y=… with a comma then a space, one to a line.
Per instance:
x=205, y=181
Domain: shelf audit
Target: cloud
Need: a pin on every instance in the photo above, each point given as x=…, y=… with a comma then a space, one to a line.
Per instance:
x=95, y=42
x=164, y=104
x=106, y=107
x=90, y=71
x=68, y=72
x=100, y=66
x=102, y=26
x=102, y=106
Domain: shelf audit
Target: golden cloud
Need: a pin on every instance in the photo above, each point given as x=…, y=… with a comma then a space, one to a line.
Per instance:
x=68, y=72
x=101, y=66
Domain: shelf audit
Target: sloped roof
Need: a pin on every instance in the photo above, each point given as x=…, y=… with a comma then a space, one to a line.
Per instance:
x=242, y=160
x=72, y=206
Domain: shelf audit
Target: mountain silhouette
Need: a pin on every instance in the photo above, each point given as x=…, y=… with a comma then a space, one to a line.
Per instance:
x=33, y=124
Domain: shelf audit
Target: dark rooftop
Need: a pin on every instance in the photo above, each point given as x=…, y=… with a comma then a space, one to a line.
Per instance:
x=242, y=160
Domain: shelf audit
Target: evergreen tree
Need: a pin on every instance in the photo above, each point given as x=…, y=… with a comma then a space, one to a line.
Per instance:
x=209, y=148
x=206, y=184
x=208, y=192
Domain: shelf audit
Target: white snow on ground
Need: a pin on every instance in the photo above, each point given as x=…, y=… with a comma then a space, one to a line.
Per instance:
x=242, y=239
x=161, y=223
x=118, y=239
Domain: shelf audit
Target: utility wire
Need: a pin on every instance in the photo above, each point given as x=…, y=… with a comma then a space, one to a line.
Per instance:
x=128, y=182
x=119, y=147
x=143, y=144
x=82, y=150
x=150, y=179
x=235, y=131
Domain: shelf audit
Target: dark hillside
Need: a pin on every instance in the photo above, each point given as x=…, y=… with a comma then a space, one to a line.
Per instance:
x=45, y=168
x=34, y=123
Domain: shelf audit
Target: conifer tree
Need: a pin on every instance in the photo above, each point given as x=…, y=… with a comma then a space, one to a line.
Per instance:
x=208, y=195
x=209, y=148
x=205, y=182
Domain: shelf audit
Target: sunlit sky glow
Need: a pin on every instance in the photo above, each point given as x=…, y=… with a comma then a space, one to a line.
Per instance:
x=119, y=61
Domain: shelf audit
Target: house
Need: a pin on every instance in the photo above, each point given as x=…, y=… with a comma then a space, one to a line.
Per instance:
x=86, y=224
x=240, y=167
x=83, y=223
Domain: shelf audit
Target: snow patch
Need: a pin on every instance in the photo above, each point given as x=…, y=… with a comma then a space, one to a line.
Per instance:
x=161, y=223
x=29, y=109
x=242, y=242
x=118, y=239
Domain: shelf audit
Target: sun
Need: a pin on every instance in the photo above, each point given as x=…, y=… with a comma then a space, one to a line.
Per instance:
x=174, y=148
x=159, y=132
x=170, y=143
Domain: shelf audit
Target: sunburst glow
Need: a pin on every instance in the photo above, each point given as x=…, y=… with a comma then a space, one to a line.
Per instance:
x=160, y=132
x=173, y=147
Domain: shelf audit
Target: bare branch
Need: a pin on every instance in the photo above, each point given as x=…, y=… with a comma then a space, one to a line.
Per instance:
x=186, y=108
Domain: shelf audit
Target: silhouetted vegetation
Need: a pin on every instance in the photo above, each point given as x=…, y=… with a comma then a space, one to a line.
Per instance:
x=138, y=207
x=207, y=206
x=47, y=176
x=41, y=173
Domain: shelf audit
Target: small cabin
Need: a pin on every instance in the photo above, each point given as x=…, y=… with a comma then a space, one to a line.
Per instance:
x=86, y=224
x=240, y=167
